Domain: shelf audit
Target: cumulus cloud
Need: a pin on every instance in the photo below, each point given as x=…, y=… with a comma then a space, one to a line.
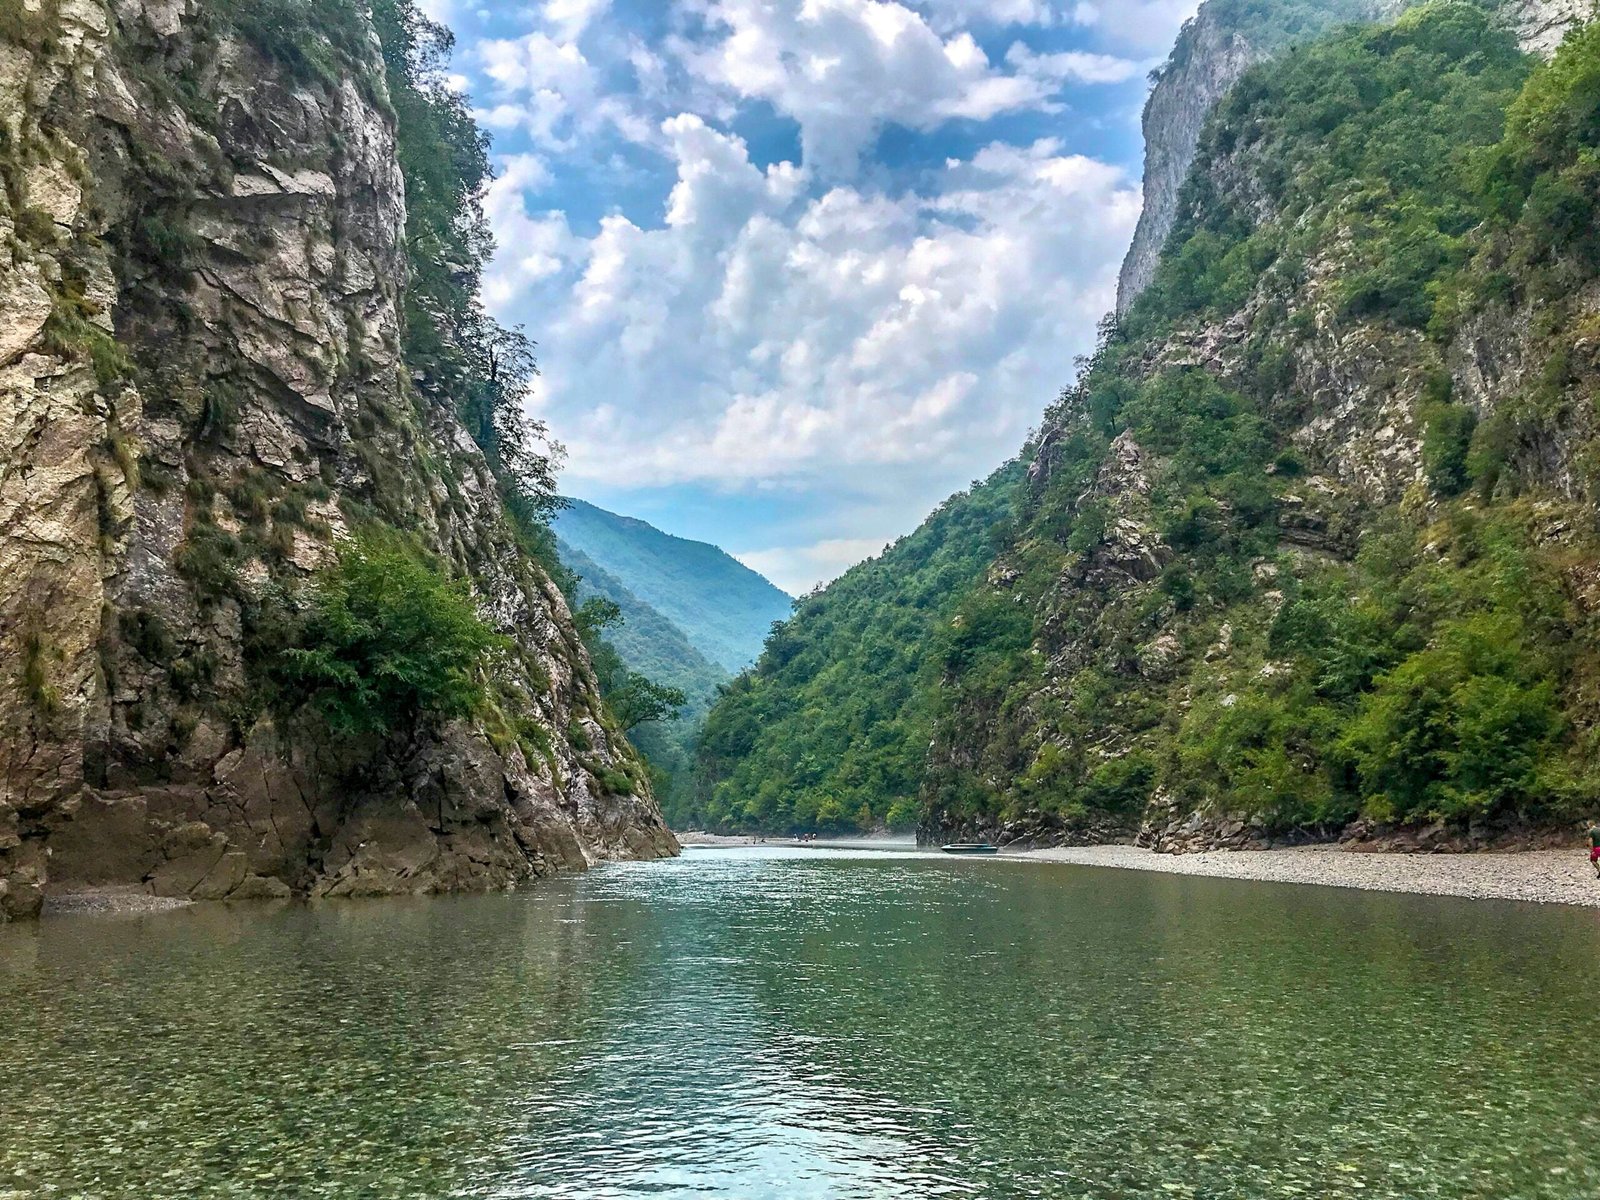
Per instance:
x=1143, y=25
x=544, y=85
x=959, y=14
x=843, y=69
x=857, y=339
x=761, y=332
x=1147, y=26
x=572, y=17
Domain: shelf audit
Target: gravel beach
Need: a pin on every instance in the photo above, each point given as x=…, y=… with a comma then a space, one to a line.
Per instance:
x=110, y=900
x=1540, y=876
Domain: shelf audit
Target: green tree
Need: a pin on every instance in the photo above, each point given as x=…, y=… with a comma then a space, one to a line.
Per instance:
x=637, y=700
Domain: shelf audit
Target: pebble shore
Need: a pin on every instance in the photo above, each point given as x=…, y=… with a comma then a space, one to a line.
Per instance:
x=1539, y=876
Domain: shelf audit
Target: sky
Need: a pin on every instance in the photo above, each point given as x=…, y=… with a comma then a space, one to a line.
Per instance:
x=800, y=269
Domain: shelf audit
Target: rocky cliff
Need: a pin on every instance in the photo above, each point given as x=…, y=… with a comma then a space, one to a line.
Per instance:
x=202, y=390
x=1208, y=61
x=1217, y=47
x=1309, y=551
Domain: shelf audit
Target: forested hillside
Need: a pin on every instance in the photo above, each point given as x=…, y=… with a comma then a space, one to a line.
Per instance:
x=1311, y=544
x=830, y=730
x=647, y=641
x=723, y=607
x=637, y=641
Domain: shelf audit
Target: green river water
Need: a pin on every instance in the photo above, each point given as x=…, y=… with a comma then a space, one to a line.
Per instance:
x=810, y=1023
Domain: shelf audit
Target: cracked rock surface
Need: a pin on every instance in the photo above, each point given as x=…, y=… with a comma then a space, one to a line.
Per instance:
x=238, y=238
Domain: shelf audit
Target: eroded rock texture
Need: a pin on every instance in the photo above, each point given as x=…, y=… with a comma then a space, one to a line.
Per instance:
x=1351, y=397
x=200, y=382
x=1212, y=53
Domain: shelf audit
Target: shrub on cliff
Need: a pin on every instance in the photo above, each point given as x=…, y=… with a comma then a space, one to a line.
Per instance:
x=384, y=637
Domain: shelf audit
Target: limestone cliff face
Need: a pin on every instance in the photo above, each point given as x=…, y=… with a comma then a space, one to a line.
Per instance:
x=1209, y=60
x=200, y=383
x=1117, y=663
x=1213, y=51
x=1541, y=24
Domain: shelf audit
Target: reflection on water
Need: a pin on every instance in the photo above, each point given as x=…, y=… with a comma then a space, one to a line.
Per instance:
x=809, y=1023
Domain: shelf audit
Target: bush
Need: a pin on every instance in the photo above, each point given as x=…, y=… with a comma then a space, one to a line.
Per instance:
x=1462, y=728
x=385, y=639
x=1445, y=447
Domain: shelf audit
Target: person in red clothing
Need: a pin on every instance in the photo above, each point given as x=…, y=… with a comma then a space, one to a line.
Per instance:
x=1594, y=847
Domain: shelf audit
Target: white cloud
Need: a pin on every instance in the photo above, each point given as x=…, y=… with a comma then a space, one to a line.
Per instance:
x=858, y=340
x=1147, y=26
x=843, y=69
x=572, y=17
x=1075, y=65
x=959, y=14
x=546, y=87
x=764, y=333
x=797, y=569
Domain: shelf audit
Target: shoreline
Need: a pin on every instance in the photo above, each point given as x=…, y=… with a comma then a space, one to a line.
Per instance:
x=1531, y=876
x=1527, y=876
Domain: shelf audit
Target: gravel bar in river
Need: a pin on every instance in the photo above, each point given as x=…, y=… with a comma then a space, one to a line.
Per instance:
x=1539, y=876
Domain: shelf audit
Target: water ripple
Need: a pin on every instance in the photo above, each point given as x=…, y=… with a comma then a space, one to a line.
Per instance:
x=806, y=1023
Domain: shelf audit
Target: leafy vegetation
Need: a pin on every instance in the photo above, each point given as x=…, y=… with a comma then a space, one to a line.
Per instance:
x=1366, y=136
x=457, y=352
x=1271, y=24
x=830, y=730
x=384, y=638
x=1230, y=631
x=1426, y=681
x=642, y=642
x=722, y=607
x=455, y=347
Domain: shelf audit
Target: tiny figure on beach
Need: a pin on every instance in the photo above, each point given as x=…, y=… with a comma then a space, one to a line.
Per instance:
x=1594, y=848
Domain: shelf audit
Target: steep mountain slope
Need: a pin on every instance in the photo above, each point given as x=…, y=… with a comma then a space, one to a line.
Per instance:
x=233, y=369
x=1312, y=542
x=1225, y=39
x=723, y=608
x=830, y=730
x=1311, y=545
x=647, y=641
x=649, y=644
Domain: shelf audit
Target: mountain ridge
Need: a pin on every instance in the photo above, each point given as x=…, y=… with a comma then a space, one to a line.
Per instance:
x=724, y=608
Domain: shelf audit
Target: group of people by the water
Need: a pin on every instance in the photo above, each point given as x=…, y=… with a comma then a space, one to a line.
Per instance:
x=805, y=839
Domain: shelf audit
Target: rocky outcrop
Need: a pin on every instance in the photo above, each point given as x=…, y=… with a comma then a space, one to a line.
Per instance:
x=1212, y=52
x=1541, y=24
x=1134, y=694
x=1208, y=61
x=1030, y=831
x=201, y=386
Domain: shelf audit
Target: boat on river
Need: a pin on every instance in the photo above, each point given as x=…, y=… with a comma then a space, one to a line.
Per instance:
x=971, y=848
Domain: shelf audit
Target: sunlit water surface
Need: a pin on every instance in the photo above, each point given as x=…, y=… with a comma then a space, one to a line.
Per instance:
x=806, y=1023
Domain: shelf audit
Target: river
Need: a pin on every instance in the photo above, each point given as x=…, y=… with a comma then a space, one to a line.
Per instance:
x=783, y=1022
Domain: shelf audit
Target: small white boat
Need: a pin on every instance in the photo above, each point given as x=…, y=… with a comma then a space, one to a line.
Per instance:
x=971, y=848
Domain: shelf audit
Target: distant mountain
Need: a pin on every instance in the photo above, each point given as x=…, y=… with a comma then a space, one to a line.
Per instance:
x=647, y=641
x=723, y=608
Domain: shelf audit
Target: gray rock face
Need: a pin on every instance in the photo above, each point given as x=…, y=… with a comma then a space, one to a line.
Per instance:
x=1541, y=24
x=177, y=201
x=1211, y=56
x=1114, y=646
